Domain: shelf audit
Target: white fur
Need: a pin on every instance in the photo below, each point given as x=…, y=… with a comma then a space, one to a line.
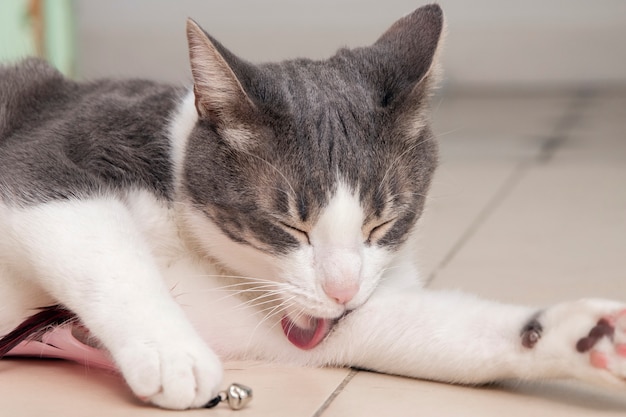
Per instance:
x=181, y=125
x=338, y=241
x=132, y=267
x=91, y=256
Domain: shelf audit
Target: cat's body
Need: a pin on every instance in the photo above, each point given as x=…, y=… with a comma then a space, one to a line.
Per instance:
x=269, y=214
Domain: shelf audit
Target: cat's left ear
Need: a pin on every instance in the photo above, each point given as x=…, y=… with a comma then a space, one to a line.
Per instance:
x=402, y=63
x=220, y=97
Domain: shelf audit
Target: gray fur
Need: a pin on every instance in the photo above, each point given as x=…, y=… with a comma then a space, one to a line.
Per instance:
x=312, y=122
x=60, y=139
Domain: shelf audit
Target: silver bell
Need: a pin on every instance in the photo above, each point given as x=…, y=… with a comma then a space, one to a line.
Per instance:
x=238, y=396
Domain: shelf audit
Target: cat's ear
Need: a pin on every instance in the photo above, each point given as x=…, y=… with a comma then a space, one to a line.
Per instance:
x=219, y=95
x=404, y=58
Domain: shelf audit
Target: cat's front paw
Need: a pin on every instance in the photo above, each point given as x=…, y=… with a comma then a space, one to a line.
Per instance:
x=605, y=344
x=594, y=332
x=177, y=374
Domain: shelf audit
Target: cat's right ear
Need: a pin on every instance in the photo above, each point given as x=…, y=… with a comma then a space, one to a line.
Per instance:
x=220, y=98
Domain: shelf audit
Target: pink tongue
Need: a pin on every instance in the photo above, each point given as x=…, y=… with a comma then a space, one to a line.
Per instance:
x=306, y=338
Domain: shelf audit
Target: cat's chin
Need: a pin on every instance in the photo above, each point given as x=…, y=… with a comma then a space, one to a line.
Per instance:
x=309, y=336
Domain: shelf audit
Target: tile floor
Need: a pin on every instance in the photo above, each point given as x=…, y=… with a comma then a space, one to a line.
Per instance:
x=529, y=206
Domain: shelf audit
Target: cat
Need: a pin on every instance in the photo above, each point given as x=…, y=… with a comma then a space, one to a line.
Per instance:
x=266, y=213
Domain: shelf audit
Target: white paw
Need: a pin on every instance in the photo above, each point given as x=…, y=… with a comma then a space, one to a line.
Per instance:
x=595, y=334
x=176, y=374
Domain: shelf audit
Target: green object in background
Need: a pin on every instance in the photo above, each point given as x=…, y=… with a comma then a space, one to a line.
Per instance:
x=59, y=34
x=18, y=31
x=16, y=38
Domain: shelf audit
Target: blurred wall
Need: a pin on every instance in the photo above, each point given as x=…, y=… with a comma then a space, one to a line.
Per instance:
x=490, y=43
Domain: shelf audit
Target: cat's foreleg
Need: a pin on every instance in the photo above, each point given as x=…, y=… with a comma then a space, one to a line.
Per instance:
x=454, y=337
x=90, y=257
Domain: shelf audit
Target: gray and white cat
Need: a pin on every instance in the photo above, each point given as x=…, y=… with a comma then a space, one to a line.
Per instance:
x=267, y=213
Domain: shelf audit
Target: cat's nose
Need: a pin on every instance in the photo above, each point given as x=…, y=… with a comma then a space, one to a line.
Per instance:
x=341, y=292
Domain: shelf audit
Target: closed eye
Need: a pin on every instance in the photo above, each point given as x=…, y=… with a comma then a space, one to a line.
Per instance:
x=299, y=234
x=379, y=230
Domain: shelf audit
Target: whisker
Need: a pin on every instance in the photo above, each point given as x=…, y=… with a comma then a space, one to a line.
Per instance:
x=382, y=271
x=436, y=109
x=409, y=193
x=284, y=305
x=253, y=302
x=265, y=294
x=242, y=287
x=294, y=319
x=439, y=135
x=271, y=314
x=276, y=169
x=233, y=291
x=234, y=276
x=280, y=321
x=394, y=163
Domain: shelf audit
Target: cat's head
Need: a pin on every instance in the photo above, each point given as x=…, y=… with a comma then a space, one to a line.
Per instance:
x=308, y=177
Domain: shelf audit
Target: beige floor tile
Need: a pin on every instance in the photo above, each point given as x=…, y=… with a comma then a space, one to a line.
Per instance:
x=561, y=231
x=595, y=142
x=33, y=388
x=56, y=388
x=611, y=108
x=477, y=163
x=599, y=135
x=461, y=191
x=560, y=234
x=373, y=395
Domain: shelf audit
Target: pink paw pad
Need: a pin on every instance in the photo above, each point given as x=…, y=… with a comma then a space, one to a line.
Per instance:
x=598, y=359
x=606, y=341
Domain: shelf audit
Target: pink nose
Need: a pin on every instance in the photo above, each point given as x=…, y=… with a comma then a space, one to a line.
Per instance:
x=341, y=292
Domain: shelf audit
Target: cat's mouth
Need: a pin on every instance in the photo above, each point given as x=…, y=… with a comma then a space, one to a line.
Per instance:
x=309, y=332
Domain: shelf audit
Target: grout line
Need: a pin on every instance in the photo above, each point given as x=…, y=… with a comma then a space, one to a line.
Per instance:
x=501, y=193
x=335, y=393
x=551, y=144
x=563, y=127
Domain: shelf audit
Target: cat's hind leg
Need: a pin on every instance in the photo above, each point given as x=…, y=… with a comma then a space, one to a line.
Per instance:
x=91, y=258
